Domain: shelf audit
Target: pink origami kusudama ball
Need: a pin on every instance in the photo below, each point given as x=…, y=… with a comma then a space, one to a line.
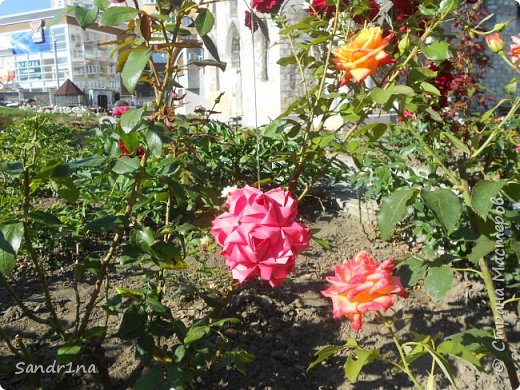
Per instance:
x=259, y=234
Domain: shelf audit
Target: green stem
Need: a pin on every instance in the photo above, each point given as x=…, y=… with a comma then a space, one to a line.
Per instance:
x=508, y=61
x=26, y=311
x=515, y=106
x=406, y=366
x=451, y=176
x=32, y=253
x=11, y=347
x=498, y=318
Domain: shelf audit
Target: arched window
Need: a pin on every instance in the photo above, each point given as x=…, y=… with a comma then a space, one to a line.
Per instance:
x=235, y=51
x=264, y=58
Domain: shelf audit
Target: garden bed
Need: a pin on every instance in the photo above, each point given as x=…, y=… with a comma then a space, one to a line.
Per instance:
x=282, y=327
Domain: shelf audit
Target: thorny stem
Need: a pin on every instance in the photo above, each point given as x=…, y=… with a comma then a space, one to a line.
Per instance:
x=26, y=311
x=498, y=318
x=459, y=183
x=485, y=272
x=508, y=61
x=112, y=250
x=513, y=110
x=30, y=249
x=293, y=181
x=11, y=347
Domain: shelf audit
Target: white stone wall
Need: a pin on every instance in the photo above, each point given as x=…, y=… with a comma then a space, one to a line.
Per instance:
x=254, y=59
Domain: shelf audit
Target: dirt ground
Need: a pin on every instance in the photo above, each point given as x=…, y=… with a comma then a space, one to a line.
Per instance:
x=283, y=327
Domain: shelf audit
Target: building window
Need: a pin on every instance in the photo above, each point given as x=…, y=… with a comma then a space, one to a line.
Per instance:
x=235, y=52
x=265, y=59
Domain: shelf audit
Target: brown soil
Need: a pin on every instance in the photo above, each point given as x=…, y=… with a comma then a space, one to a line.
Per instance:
x=283, y=327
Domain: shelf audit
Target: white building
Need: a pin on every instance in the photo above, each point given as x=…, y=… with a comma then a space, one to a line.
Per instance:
x=252, y=71
x=42, y=58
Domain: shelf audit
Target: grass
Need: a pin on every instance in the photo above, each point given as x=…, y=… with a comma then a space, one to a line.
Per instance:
x=9, y=115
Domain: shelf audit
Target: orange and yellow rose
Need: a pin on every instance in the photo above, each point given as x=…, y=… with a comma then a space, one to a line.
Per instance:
x=361, y=56
x=361, y=285
x=515, y=50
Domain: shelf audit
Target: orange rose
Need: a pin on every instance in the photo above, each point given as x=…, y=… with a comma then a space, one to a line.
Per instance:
x=515, y=50
x=360, y=57
x=361, y=285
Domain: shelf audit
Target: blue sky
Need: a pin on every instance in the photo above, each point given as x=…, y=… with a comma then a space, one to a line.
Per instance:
x=8, y=7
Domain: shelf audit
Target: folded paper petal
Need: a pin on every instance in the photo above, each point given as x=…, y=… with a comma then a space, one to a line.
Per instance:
x=259, y=234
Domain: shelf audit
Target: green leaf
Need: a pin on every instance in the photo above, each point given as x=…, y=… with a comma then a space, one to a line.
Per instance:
x=456, y=349
x=210, y=45
x=102, y=4
x=420, y=74
x=449, y=5
x=196, y=333
x=416, y=267
x=445, y=367
x=85, y=16
x=456, y=142
x=109, y=223
x=142, y=239
x=403, y=90
x=483, y=247
x=65, y=188
x=482, y=195
x=323, y=243
x=179, y=353
x=437, y=51
x=10, y=241
x=394, y=208
x=114, y=16
x=204, y=21
x=154, y=142
x=381, y=96
x=13, y=169
x=130, y=140
x=134, y=66
x=357, y=360
x=210, y=62
x=45, y=218
x=126, y=165
x=427, y=11
x=156, y=306
x=430, y=88
x=284, y=61
x=68, y=352
x=434, y=114
x=167, y=255
x=89, y=162
x=324, y=354
x=488, y=114
x=152, y=379
x=274, y=129
x=129, y=293
x=130, y=119
x=445, y=206
x=438, y=282
x=133, y=321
